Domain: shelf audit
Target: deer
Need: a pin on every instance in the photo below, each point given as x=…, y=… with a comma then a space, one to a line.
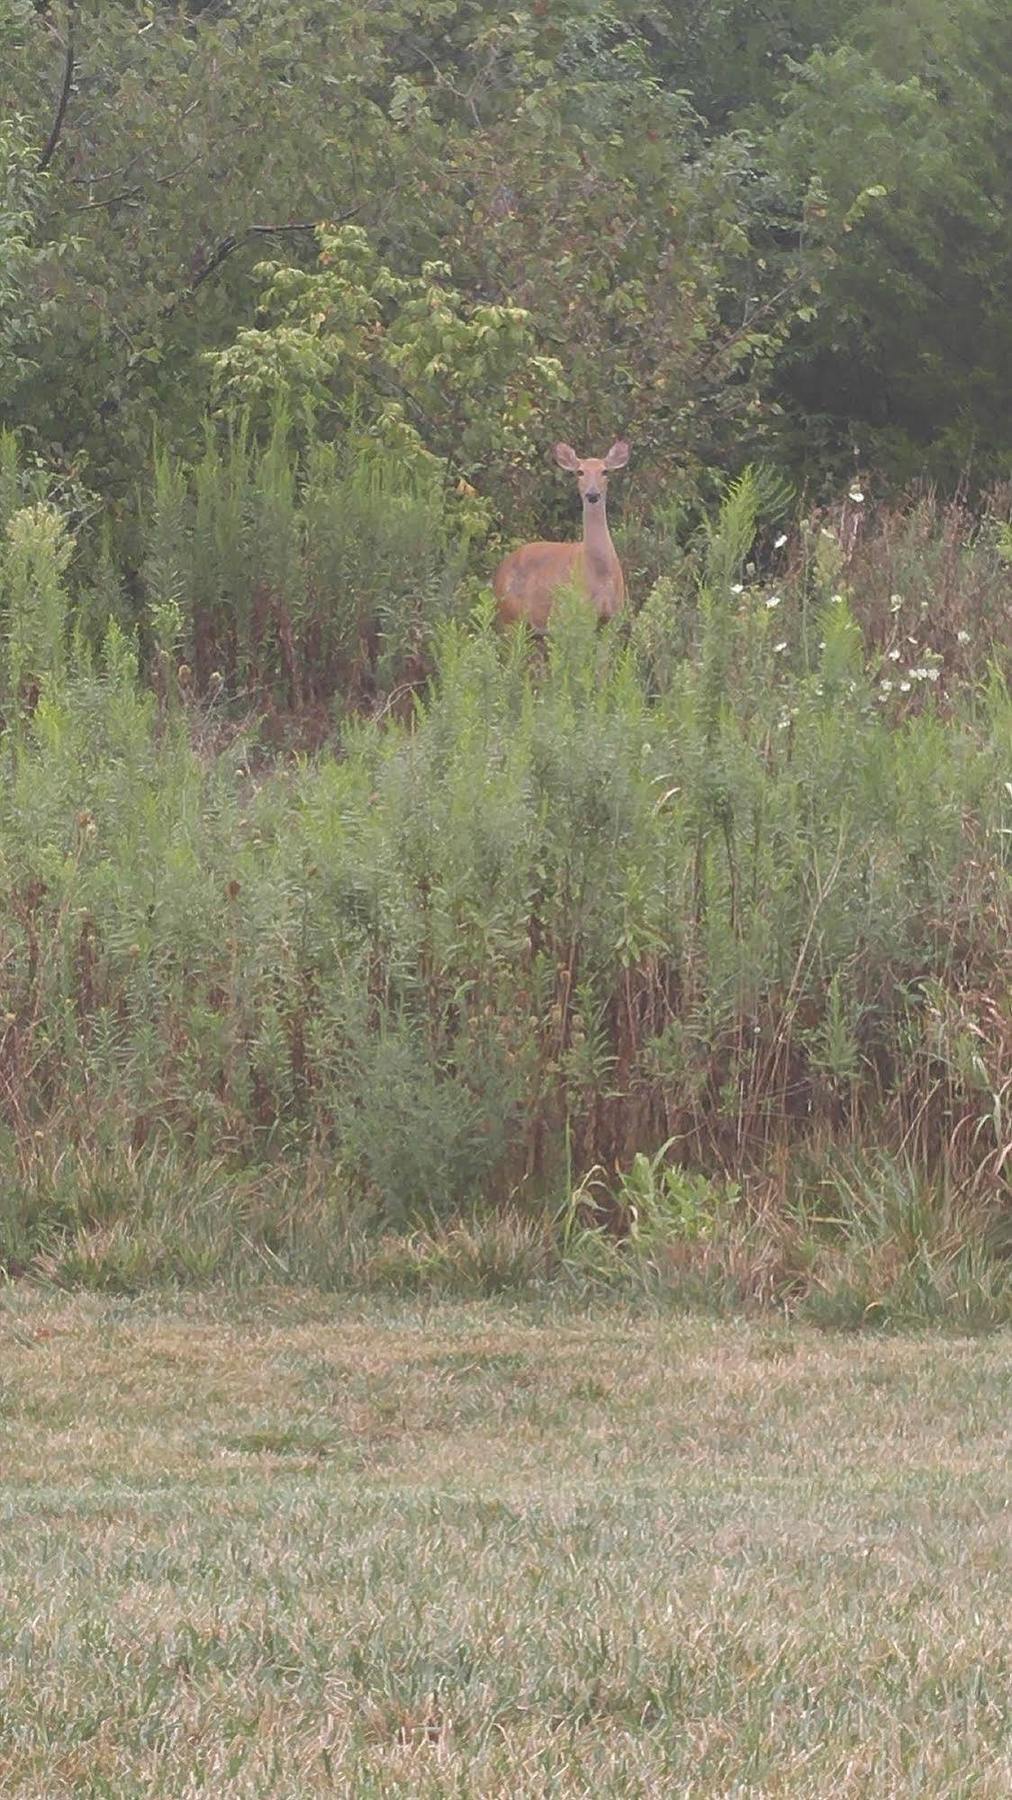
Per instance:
x=527, y=583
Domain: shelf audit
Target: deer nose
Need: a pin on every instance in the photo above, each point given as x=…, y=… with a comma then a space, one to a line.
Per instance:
x=593, y=496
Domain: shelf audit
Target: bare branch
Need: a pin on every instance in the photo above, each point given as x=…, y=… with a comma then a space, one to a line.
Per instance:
x=68, y=75
x=131, y=195
x=233, y=242
x=220, y=254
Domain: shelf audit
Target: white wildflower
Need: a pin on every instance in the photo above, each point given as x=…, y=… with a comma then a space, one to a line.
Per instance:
x=737, y=588
x=836, y=599
x=885, y=687
x=895, y=602
x=778, y=647
x=894, y=656
x=904, y=687
x=774, y=600
x=962, y=637
x=932, y=674
x=857, y=496
x=779, y=542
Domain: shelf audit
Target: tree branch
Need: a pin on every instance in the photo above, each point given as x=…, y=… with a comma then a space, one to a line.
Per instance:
x=129, y=195
x=234, y=241
x=68, y=75
x=228, y=244
x=219, y=254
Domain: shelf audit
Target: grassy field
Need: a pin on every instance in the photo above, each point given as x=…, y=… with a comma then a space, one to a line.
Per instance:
x=305, y=1547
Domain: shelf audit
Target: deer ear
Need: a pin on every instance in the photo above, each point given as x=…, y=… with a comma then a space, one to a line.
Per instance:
x=618, y=455
x=566, y=456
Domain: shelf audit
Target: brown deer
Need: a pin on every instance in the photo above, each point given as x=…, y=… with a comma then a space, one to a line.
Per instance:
x=528, y=581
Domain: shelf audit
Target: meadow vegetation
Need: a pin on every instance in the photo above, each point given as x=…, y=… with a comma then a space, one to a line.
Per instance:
x=691, y=935
x=485, y=1123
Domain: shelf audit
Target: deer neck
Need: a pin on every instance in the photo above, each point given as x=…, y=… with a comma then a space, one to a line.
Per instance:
x=598, y=549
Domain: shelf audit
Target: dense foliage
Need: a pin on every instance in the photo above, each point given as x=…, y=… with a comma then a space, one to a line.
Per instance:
x=730, y=226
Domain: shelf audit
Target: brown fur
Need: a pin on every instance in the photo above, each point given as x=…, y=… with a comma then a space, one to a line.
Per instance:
x=527, y=582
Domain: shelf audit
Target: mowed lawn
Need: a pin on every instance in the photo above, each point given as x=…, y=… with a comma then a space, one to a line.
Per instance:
x=300, y=1547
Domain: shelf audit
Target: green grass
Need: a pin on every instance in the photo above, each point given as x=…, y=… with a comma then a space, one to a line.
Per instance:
x=302, y=1546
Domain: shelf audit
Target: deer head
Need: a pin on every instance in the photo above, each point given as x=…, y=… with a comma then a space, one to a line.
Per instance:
x=592, y=471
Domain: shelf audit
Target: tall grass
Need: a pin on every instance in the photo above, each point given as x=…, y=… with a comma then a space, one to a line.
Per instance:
x=751, y=901
x=297, y=577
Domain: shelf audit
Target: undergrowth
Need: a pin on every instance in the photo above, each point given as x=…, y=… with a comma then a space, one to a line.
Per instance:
x=731, y=878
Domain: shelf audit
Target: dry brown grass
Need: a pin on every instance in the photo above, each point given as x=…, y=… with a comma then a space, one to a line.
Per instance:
x=305, y=1548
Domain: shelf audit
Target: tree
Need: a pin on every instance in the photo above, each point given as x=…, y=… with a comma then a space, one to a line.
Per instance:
x=908, y=355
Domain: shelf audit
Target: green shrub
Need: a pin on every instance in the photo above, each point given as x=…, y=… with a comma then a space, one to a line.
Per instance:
x=294, y=578
x=33, y=563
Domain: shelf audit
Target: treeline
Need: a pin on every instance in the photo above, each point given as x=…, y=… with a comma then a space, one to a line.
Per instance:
x=732, y=231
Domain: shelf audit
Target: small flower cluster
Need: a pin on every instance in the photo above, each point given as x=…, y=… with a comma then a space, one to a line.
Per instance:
x=928, y=670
